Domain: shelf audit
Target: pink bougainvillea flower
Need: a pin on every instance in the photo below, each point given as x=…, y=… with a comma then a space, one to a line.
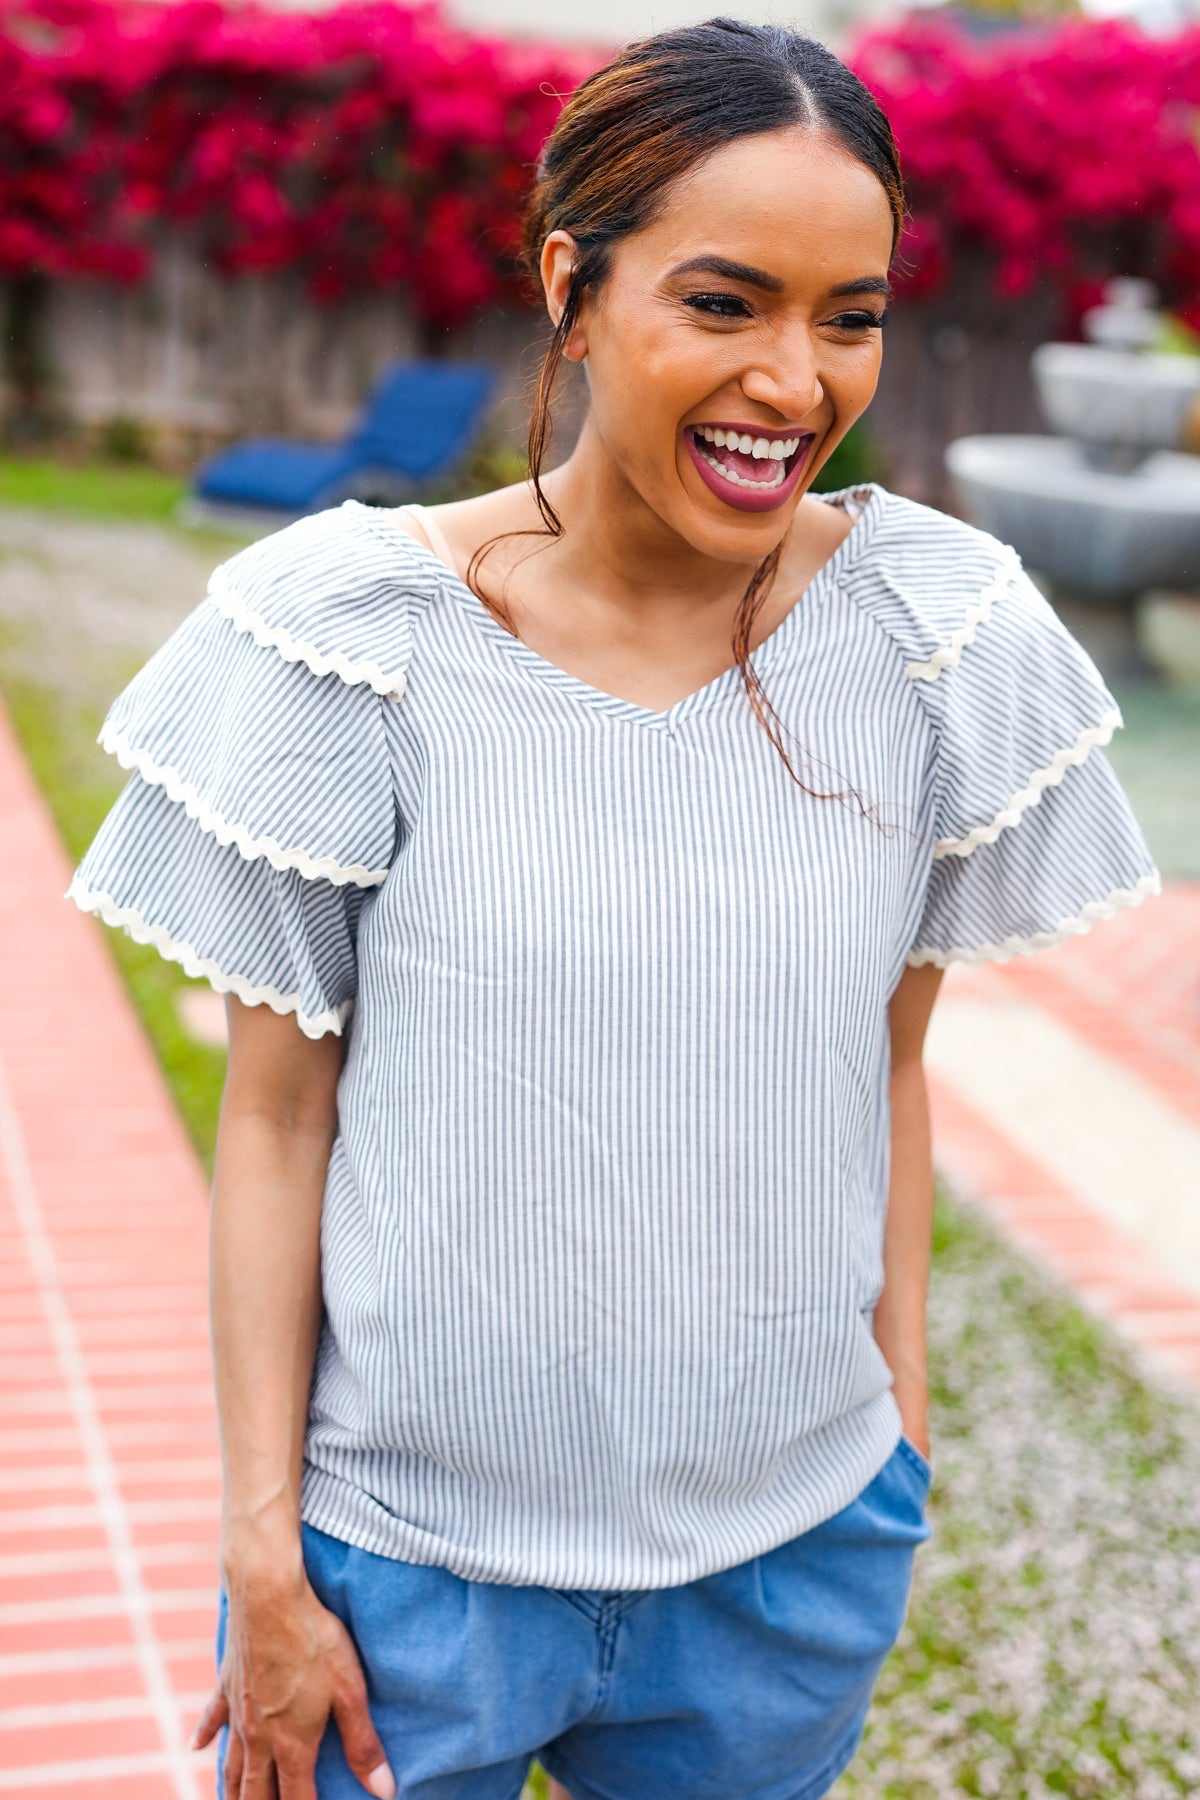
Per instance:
x=1055, y=153
x=377, y=145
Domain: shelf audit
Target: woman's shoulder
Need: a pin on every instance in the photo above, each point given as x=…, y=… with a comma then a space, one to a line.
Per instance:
x=500, y=522
x=1014, y=700
x=338, y=591
x=263, y=714
x=932, y=582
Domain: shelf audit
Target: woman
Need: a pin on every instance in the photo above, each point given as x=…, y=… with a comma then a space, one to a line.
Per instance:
x=582, y=861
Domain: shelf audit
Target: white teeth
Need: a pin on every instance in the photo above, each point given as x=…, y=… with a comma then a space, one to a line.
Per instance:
x=731, y=475
x=765, y=449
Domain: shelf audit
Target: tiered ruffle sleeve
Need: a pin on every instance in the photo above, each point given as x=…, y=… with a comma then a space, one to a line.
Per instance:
x=260, y=815
x=1034, y=837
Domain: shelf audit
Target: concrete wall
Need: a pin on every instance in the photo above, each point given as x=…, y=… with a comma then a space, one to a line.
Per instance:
x=198, y=360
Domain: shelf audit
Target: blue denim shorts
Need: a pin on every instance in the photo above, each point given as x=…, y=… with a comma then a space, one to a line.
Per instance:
x=750, y=1684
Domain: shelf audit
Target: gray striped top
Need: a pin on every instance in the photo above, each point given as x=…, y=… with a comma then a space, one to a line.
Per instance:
x=603, y=1220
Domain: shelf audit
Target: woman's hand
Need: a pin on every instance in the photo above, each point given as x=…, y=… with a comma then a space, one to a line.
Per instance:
x=900, y=1311
x=288, y=1666
x=913, y=1400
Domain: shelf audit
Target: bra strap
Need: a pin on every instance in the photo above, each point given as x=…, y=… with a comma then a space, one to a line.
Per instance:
x=433, y=532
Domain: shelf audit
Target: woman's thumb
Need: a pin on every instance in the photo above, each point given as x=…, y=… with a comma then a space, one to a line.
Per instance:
x=215, y=1714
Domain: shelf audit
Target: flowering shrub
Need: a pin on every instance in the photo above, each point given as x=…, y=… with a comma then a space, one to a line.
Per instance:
x=1072, y=153
x=367, y=146
x=374, y=145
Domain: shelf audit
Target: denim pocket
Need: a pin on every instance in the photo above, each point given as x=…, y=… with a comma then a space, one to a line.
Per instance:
x=916, y=1459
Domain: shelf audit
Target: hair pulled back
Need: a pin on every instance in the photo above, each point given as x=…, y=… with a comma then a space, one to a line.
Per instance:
x=632, y=130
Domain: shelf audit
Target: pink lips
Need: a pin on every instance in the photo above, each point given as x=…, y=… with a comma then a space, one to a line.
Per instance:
x=744, y=499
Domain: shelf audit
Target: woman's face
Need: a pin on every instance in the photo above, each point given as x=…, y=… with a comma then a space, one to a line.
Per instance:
x=737, y=338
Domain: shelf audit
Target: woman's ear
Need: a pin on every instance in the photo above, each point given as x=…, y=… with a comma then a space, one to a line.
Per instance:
x=559, y=254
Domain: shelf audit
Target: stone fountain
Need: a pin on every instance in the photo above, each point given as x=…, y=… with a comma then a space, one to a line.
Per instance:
x=1111, y=508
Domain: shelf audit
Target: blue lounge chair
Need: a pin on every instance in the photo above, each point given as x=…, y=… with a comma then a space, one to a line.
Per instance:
x=418, y=421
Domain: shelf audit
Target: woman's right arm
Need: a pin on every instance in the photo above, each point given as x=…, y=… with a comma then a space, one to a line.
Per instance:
x=288, y=1662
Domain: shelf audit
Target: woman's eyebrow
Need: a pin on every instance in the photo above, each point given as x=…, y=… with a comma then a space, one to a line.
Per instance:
x=865, y=284
x=728, y=271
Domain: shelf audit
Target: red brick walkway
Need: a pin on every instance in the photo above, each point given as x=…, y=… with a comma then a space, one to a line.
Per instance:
x=1123, y=1224
x=108, y=1450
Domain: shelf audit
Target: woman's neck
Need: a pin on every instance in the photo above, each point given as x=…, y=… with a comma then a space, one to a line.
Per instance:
x=616, y=548
x=620, y=550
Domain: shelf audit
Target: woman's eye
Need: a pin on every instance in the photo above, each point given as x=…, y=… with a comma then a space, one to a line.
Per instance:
x=861, y=321
x=719, y=306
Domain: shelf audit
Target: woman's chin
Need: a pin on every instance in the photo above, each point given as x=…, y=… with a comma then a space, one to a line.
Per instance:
x=730, y=534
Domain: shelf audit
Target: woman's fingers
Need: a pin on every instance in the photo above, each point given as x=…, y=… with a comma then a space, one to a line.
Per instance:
x=235, y=1758
x=296, y=1669
x=258, y=1777
x=360, y=1740
x=215, y=1714
x=295, y=1773
x=288, y=1774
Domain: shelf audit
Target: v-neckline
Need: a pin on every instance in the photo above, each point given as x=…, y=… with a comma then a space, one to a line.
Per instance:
x=667, y=720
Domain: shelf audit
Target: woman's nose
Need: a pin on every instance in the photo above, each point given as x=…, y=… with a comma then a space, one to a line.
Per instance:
x=790, y=383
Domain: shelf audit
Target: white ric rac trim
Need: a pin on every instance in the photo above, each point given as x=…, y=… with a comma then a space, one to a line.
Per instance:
x=1083, y=921
x=231, y=606
x=315, y=868
x=973, y=618
x=1045, y=778
x=194, y=964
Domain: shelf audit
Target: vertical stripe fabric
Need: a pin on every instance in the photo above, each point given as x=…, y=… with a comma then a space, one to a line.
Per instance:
x=603, y=1221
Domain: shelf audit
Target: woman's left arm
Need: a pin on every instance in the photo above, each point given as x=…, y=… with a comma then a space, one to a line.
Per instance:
x=900, y=1313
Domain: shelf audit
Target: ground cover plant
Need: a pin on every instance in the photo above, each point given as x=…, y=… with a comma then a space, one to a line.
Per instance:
x=364, y=146
x=1053, y=1641
x=1007, y=144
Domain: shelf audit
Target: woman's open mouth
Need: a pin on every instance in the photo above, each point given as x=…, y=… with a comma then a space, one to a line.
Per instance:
x=745, y=468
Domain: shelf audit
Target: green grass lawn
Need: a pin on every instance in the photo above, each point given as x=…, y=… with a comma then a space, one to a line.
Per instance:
x=93, y=490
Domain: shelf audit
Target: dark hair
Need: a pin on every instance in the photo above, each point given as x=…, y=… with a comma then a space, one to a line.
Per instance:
x=633, y=129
